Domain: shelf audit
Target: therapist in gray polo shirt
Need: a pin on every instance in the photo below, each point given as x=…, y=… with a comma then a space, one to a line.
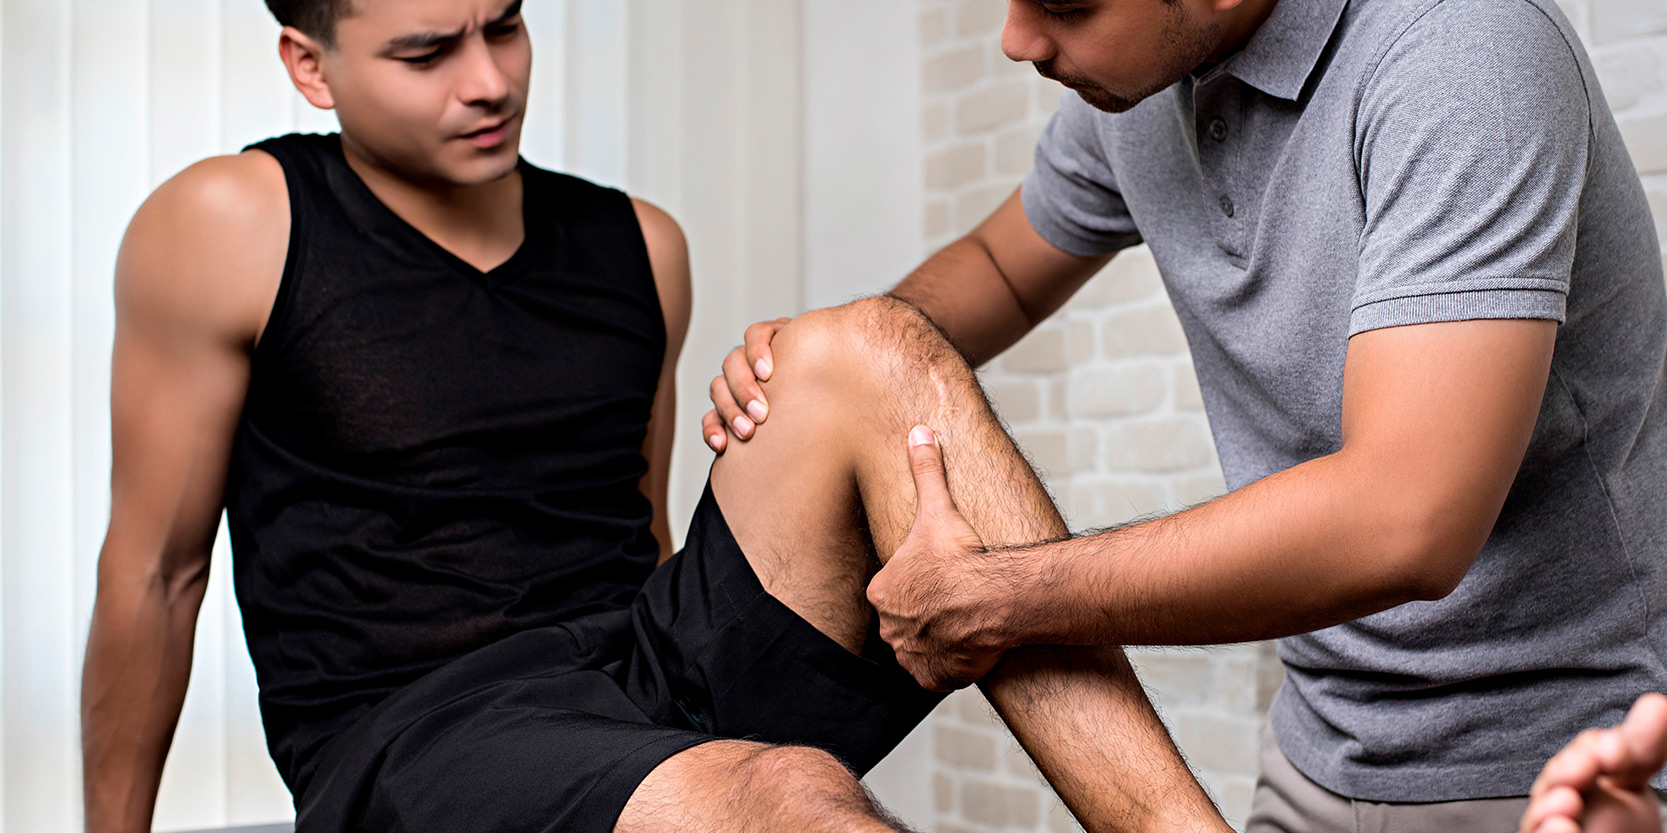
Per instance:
x=1425, y=301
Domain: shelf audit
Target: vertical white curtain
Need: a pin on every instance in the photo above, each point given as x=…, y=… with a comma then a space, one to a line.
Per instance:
x=101, y=100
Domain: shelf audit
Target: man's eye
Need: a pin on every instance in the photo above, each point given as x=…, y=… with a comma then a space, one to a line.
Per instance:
x=504, y=30
x=423, y=59
x=1064, y=14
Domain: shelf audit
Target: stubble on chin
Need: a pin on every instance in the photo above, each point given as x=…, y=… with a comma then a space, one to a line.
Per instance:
x=1101, y=99
x=1188, y=48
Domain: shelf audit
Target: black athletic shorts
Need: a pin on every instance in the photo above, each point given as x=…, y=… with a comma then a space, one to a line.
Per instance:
x=553, y=729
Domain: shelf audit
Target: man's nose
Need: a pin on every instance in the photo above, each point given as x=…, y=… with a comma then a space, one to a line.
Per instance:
x=484, y=82
x=1022, y=38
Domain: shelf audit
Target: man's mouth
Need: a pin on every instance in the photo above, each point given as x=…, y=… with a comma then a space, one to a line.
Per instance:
x=489, y=135
x=1046, y=70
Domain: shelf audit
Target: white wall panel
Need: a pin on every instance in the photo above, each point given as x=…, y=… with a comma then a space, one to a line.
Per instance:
x=256, y=98
x=109, y=177
x=185, y=81
x=543, y=134
x=4, y=457
x=862, y=147
x=36, y=295
x=656, y=102
x=596, y=54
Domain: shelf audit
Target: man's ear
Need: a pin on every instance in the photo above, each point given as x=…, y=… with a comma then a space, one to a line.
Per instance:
x=304, y=58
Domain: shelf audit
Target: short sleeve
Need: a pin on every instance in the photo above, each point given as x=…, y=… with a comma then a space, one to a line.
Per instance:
x=1472, y=141
x=1071, y=196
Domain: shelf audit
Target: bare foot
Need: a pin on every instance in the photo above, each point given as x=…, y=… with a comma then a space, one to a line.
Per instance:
x=1600, y=782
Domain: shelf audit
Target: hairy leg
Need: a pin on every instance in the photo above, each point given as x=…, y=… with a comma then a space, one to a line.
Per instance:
x=819, y=496
x=824, y=492
x=744, y=787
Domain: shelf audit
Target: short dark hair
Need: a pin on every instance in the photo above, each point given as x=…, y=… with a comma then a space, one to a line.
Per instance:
x=317, y=18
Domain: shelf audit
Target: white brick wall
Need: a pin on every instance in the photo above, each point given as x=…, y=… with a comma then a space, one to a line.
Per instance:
x=1104, y=399
x=1627, y=40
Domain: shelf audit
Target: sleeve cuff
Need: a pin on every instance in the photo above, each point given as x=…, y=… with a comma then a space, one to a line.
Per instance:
x=1459, y=306
x=1049, y=220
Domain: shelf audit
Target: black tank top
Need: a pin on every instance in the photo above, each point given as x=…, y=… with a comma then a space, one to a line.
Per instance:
x=430, y=457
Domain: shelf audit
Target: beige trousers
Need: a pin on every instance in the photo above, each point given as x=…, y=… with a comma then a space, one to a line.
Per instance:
x=1285, y=801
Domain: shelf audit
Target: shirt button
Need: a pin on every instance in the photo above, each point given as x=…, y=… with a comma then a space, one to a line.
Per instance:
x=1218, y=129
x=1227, y=205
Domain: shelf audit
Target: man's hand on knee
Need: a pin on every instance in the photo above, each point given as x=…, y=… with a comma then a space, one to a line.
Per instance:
x=931, y=595
x=738, y=403
x=1600, y=782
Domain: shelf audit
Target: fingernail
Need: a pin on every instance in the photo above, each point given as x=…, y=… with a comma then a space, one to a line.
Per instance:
x=716, y=441
x=921, y=435
x=758, y=411
x=742, y=425
x=761, y=368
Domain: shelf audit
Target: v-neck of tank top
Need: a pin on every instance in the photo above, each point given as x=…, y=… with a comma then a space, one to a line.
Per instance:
x=491, y=278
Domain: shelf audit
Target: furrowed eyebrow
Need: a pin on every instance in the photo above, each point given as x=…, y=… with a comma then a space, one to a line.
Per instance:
x=510, y=11
x=430, y=40
x=422, y=40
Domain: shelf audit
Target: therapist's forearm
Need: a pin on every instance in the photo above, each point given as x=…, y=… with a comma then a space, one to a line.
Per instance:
x=1314, y=546
x=963, y=291
x=1435, y=422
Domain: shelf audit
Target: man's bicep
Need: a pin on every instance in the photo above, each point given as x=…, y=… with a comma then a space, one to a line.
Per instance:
x=669, y=260
x=1438, y=417
x=668, y=255
x=186, y=316
x=173, y=416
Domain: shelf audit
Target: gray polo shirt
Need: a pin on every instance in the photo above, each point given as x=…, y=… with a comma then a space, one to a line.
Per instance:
x=1390, y=162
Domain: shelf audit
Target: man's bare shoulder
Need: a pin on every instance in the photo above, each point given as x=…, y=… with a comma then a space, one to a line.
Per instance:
x=668, y=254
x=206, y=250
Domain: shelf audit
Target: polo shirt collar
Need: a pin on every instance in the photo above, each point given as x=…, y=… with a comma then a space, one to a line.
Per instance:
x=1282, y=53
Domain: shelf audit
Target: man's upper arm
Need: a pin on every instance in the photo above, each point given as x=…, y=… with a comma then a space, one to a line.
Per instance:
x=1041, y=276
x=1436, y=418
x=1472, y=146
x=668, y=256
x=195, y=278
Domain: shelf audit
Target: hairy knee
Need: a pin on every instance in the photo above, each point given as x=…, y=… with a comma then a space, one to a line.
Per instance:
x=803, y=773
x=878, y=341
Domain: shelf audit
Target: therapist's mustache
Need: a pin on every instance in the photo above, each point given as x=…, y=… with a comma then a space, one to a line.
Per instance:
x=1047, y=70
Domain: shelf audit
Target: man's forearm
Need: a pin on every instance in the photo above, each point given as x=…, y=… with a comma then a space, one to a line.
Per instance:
x=133, y=685
x=963, y=291
x=1316, y=545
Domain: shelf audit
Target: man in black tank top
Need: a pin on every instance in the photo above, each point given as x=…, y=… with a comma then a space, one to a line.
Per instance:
x=432, y=387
